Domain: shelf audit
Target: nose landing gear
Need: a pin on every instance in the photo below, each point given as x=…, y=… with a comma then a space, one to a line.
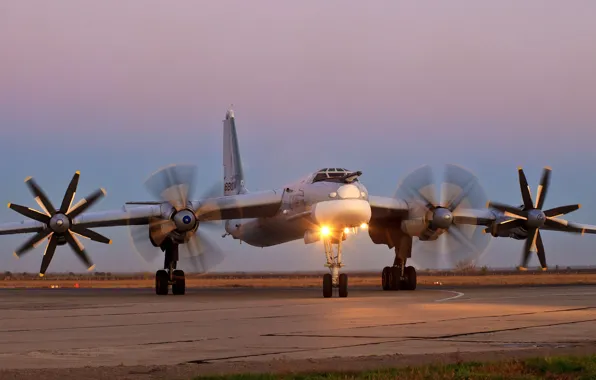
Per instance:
x=334, y=263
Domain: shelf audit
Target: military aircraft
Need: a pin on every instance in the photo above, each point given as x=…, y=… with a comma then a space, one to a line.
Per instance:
x=326, y=206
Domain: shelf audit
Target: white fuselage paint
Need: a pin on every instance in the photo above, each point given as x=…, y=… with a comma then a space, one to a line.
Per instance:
x=306, y=206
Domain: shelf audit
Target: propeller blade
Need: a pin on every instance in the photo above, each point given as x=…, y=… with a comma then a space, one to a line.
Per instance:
x=160, y=229
x=561, y=210
x=30, y=213
x=90, y=234
x=540, y=250
x=530, y=243
x=525, y=189
x=465, y=244
x=426, y=256
x=140, y=241
x=208, y=207
x=510, y=210
x=48, y=255
x=86, y=203
x=418, y=186
x=466, y=187
x=79, y=250
x=202, y=252
x=543, y=187
x=70, y=193
x=33, y=242
x=173, y=184
x=40, y=196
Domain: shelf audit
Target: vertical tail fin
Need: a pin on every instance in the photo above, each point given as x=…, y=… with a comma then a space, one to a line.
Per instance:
x=233, y=174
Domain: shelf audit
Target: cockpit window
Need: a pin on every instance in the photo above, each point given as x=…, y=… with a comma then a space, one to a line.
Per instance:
x=331, y=175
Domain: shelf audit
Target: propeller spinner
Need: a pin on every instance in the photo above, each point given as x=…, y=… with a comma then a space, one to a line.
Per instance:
x=58, y=226
x=531, y=217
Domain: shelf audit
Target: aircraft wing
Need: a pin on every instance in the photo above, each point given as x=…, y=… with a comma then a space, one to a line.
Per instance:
x=23, y=227
x=385, y=209
x=260, y=204
x=475, y=217
x=250, y=205
x=573, y=227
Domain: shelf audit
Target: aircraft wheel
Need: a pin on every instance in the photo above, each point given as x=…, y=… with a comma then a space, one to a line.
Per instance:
x=161, y=282
x=394, y=278
x=385, y=282
x=179, y=286
x=410, y=278
x=327, y=286
x=343, y=285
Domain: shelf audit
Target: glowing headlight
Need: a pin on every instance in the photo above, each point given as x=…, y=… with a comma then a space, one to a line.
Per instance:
x=333, y=194
x=346, y=230
x=364, y=226
x=325, y=231
x=363, y=194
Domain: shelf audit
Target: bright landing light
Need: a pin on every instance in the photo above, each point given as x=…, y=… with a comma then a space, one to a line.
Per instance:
x=364, y=226
x=325, y=231
x=347, y=230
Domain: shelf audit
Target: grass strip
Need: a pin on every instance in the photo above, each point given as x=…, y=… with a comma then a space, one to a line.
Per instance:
x=555, y=367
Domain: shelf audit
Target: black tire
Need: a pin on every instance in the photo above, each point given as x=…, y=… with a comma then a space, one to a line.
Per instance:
x=343, y=285
x=410, y=278
x=385, y=284
x=179, y=286
x=327, y=286
x=161, y=282
x=395, y=278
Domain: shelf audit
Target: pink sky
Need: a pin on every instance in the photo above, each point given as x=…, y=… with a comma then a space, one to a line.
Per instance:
x=118, y=88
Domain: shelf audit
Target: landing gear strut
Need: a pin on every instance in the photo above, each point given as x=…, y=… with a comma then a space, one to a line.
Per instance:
x=334, y=262
x=399, y=276
x=170, y=275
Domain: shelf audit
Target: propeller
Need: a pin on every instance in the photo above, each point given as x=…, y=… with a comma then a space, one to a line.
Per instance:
x=458, y=244
x=181, y=223
x=531, y=218
x=58, y=223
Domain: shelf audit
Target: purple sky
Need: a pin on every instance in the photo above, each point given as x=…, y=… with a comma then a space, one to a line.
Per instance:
x=117, y=89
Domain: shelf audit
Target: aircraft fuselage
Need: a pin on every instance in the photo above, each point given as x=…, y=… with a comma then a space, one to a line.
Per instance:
x=306, y=207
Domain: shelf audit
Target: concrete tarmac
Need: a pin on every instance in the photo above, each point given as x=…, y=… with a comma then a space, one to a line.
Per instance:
x=70, y=328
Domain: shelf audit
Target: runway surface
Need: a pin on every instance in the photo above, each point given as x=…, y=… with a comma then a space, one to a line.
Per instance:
x=68, y=328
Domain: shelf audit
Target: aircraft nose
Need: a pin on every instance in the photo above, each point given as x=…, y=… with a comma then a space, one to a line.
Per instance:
x=342, y=213
x=349, y=191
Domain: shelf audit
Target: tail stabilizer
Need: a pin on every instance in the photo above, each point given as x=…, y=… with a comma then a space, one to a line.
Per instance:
x=233, y=174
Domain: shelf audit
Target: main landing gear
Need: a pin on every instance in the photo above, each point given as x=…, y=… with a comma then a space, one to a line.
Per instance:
x=170, y=275
x=334, y=263
x=399, y=276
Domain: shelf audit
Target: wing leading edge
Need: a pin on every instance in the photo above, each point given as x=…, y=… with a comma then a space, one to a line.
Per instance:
x=392, y=209
x=249, y=205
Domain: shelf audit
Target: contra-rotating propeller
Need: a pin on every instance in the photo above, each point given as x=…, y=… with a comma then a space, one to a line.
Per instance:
x=456, y=243
x=58, y=224
x=531, y=218
x=181, y=222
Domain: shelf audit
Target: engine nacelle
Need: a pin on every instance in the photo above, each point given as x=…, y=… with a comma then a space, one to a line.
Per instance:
x=414, y=227
x=311, y=237
x=518, y=233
